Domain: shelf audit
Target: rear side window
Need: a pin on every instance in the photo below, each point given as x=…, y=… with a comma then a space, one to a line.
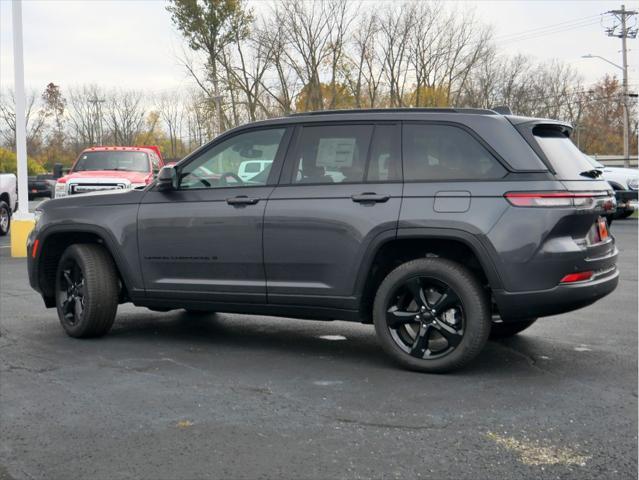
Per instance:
x=446, y=152
x=563, y=155
x=332, y=154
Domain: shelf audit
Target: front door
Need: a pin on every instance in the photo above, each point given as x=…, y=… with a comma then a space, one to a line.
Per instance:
x=341, y=190
x=203, y=241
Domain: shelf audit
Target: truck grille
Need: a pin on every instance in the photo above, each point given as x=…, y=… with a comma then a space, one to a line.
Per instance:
x=95, y=187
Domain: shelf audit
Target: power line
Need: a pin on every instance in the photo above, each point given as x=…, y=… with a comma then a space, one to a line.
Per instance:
x=550, y=32
x=546, y=30
x=552, y=26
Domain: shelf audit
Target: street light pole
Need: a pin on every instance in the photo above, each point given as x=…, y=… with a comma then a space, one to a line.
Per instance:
x=20, y=108
x=23, y=222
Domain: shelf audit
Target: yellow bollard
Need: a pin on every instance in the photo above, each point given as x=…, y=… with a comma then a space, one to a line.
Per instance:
x=20, y=230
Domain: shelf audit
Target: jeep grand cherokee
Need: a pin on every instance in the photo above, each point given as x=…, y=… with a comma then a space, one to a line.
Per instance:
x=440, y=227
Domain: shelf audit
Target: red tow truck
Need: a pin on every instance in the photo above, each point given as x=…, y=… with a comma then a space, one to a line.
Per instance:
x=110, y=168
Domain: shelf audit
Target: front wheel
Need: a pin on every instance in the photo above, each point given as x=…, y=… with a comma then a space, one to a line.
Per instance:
x=431, y=315
x=86, y=291
x=5, y=218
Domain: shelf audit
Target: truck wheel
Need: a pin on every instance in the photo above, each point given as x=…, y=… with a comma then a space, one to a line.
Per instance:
x=508, y=329
x=5, y=218
x=86, y=291
x=431, y=315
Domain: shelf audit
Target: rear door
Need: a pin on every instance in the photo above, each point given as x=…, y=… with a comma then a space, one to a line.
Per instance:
x=340, y=192
x=452, y=178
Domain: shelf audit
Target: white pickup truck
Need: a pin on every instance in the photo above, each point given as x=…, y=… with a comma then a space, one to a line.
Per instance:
x=8, y=200
x=625, y=183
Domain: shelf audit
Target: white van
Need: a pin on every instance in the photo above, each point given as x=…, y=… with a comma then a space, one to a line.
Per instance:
x=249, y=168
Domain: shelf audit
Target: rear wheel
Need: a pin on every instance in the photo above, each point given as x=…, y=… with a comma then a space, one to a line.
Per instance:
x=508, y=329
x=431, y=315
x=5, y=218
x=86, y=291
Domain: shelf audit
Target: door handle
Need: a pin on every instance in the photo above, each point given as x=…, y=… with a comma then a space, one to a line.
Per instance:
x=370, y=197
x=242, y=200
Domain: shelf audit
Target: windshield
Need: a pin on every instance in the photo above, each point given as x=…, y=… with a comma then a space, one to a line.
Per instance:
x=113, y=160
x=566, y=159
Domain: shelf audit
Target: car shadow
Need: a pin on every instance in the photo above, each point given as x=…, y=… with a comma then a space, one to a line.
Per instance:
x=301, y=338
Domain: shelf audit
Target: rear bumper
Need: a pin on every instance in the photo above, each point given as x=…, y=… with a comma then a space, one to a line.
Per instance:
x=560, y=299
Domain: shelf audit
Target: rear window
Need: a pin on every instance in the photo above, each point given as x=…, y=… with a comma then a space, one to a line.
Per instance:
x=565, y=158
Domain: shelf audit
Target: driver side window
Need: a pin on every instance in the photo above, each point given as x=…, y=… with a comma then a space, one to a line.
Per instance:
x=243, y=160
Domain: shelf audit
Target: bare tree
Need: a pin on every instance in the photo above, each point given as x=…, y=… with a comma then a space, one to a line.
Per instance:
x=362, y=73
x=272, y=36
x=307, y=27
x=396, y=26
x=170, y=107
x=35, y=120
x=125, y=116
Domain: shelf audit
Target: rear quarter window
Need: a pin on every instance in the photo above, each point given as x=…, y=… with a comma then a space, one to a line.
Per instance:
x=446, y=152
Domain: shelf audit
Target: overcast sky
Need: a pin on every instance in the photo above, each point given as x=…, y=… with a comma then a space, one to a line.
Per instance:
x=132, y=43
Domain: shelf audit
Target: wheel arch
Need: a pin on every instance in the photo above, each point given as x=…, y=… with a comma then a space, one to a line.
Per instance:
x=388, y=252
x=55, y=240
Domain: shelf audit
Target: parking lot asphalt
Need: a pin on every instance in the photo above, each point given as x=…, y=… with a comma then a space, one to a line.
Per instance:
x=170, y=396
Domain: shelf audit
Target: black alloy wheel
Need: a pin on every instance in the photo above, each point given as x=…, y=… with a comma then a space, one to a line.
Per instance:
x=432, y=315
x=425, y=318
x=87, y=290
x=71, y=292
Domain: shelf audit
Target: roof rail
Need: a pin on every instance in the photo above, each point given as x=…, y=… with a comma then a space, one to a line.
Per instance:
x=477, y=111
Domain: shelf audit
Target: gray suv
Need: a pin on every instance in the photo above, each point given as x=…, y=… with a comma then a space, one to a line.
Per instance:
x=441, y=227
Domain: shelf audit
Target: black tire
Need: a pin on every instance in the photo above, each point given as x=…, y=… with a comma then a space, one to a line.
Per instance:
x=509, y=329
x=87, y=275
x=5, y=218
x=473, y=309
x=625, y=214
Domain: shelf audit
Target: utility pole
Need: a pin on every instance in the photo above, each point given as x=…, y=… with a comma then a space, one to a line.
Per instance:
x=97, y=118
x=621, y=30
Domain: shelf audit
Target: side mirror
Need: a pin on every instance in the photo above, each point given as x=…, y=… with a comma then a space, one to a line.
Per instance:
x=57, y=170
x=167, y=179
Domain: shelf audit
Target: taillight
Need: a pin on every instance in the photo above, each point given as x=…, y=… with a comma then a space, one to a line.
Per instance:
x=576, y=277
x=554, y=199
x=34, y=249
